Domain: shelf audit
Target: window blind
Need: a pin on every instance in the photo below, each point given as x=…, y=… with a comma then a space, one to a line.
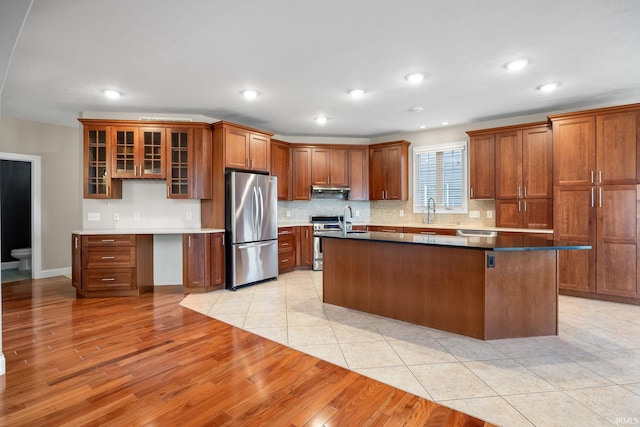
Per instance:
x=440, y=174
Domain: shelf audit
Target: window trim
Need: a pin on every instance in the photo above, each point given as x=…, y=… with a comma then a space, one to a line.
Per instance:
x=463, y=145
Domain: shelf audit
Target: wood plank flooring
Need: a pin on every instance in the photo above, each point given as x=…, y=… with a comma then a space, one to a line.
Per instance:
x=148, y=361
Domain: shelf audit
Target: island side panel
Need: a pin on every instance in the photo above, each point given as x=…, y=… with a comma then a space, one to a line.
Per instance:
x=432, y=286
x=522, y=295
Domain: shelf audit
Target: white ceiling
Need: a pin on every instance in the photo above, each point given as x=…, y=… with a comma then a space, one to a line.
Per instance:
x=196, y=56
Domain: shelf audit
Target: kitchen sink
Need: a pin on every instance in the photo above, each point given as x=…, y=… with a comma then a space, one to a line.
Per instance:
x=477, y=233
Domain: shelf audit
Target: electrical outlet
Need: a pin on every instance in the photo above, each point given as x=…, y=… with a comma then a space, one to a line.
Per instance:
x=189, y=216
x=401, y=212
x=116, y=216
x=288, y=213
x=93, y=216
x=357, y=212
x=474, y=214
x=489, y=214
x=136, y=216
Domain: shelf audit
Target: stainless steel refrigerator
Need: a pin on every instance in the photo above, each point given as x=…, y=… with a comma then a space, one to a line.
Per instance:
x=252, y=228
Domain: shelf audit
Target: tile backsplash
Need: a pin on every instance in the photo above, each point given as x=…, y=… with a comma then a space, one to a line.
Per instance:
x=382, y=212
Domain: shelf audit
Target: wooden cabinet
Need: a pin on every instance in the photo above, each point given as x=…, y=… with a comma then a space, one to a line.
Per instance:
x=245, y=148
x=388, y=171
x=524, y=213
x=98, y=182
x=301, y=173
x=286, y=249
x=425, y=230
x=386, y=228
x=217, y=261
x=202, y=262
x=481, y=166
x=138, y=152
x=330, y=166
x=189, y=162
x=281, y=168
x=112, y=265
x=304, y=246
x=359, y=173
x=596, y=200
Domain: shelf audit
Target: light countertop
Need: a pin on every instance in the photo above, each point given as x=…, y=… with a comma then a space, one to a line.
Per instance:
x=428, y=226
x=89, y=232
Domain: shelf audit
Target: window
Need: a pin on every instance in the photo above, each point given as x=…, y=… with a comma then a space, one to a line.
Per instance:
x=440, y=172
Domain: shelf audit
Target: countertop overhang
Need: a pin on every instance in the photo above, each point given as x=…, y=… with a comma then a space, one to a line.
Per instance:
x=90, y=232
x=501, y=243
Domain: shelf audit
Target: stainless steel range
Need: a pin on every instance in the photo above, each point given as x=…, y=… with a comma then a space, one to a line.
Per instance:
x=322, y=223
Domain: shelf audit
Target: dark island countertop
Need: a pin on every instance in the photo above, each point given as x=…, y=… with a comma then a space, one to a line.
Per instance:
x=501, y=243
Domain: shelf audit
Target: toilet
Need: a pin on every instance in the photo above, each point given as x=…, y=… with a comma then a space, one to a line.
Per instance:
x=23, y=255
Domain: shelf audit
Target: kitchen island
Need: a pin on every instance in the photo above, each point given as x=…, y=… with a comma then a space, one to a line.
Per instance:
x=486, y=288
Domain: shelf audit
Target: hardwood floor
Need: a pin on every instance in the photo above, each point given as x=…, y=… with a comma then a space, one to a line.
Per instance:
x=148, y=361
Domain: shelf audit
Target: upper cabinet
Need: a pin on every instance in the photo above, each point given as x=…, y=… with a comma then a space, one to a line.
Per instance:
x=482, y=166
x=389, y=171
x=359, y=173
x=98, y=182
x=245, y=148
x=523, y=163
x=301, y=172
x=115, y=150
x=189, y=162
x=598, y=147
x=138, y=152
x=281, y=167
x=330, y=166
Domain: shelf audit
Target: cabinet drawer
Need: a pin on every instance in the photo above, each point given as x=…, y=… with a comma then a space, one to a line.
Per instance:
x=286, y=241
x=106, y=257
x=286, y=261
x=384, y=228
x=109, y=279
x=439, y=231
x=109, y=240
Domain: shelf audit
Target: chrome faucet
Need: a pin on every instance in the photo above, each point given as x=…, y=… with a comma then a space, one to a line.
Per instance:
x=346, y=225
x=430, y=214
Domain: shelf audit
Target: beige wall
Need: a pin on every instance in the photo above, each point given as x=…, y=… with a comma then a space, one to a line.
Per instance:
x=60, y=152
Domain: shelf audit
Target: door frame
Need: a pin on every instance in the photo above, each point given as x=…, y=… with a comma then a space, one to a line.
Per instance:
x=36, y=208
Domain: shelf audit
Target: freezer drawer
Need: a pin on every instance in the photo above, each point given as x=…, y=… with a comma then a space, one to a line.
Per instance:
x=252, y=262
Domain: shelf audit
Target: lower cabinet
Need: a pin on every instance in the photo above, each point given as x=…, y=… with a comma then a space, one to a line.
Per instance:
x=305, y=246
x=202, y=262
x=112, y=265
x=439, y=231
x=385, y=228
x=286, y=249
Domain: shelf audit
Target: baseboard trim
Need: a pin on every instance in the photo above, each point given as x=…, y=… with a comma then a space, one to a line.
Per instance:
x=10, y=265
x=45, y=274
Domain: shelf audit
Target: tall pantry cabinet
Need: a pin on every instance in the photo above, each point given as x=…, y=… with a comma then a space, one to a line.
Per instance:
x=595, y=176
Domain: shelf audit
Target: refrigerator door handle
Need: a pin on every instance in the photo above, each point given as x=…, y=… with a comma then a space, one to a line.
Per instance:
x=255, y=211
x=261, y=221
x=255, y=245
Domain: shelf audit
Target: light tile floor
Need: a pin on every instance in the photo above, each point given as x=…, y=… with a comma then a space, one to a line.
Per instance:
x=588, y=375
x=13, y=275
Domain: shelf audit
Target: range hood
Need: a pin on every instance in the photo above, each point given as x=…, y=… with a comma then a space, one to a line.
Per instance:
x=329, y=192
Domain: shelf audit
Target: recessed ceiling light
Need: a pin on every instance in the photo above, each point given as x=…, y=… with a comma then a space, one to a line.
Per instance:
x=416, y=109
x=415, y=77
x=112, y=94
x=423, y=126
x=445, y=123
x=250, y=93
x=357, y=93
x=516, y=64
x=549, y=87
x=321, y=120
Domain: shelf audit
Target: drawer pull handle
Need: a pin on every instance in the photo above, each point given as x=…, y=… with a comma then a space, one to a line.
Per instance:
x=108, y=240
x=109, y=279
x=108, y=257
x=284, y=260
x=285, y=244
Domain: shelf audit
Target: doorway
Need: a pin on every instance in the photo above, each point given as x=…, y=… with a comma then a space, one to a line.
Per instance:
x=35, y=190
